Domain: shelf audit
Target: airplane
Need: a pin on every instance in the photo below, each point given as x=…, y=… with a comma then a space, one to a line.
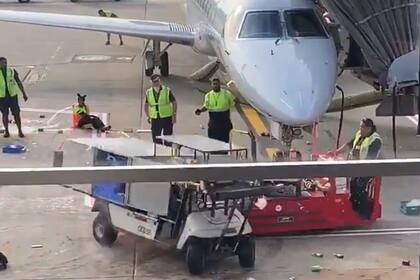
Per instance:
x=278, y=54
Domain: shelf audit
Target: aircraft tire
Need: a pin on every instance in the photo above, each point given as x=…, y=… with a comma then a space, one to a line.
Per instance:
x=164, y=68
x=148, y=72
x=103, y=231
x=246, y=252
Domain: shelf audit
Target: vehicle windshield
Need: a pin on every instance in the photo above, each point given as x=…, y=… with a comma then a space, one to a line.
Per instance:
x=303, y=23
x=261, y=24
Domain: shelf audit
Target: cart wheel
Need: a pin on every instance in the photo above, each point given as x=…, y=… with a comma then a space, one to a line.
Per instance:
x=103, y=231
x=196, y=258
x=246, y=252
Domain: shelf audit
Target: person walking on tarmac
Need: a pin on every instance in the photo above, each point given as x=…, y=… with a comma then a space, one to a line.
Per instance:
x=109, y=14
x=366, y=144
x=218, y=102
x=160, y=107
x=81, y=110
x=10, y=84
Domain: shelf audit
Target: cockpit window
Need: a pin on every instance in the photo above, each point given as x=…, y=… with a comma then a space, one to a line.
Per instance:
x=303, y=23
x=262, y=24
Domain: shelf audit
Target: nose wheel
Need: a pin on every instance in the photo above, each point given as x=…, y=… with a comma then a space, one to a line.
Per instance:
x=156, y=58
x=289, y=134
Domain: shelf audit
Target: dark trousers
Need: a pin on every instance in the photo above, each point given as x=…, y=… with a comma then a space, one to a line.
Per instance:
x=161, y=126
x=90, y=119
x=359, y=196
x=221, y=133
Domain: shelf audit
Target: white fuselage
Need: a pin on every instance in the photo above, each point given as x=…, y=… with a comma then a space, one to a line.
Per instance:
x=288, y=78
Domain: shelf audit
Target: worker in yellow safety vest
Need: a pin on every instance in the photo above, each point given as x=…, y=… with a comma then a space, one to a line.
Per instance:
x=10, y=84
x=366, y=144
x=160, y=107
x=109, y=14
x=218, y=102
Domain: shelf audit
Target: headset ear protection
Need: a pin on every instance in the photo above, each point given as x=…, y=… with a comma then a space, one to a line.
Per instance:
x=82, y=96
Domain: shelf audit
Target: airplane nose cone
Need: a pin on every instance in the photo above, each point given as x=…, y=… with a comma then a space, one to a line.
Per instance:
x=292, y=83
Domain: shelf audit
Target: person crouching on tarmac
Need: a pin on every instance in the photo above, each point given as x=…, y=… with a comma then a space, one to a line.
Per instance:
x=109, y=14
x=365, y=145
x=218, y=102
x=82, y=110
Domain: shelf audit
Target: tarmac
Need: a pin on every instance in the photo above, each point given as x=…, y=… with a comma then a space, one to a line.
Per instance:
x=55, y=64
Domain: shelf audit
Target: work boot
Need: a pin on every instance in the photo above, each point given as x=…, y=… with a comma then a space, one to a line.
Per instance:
x=6, y=134
x=121, y=43
x=21, y=135
x=3, y=261
x=108, y=43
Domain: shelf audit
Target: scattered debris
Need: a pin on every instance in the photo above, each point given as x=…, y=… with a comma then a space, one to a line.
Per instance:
x=128, y=130
x=40, y=129
x=308, y=143
x=60, y=131
x=339, y=256
x=406, y=263
x=292, y=278
x=318, y=255
x=34, y=143
x=42, y=116
x=37, y=246
x=411, y=207
x=14, y=149
x=316, y=268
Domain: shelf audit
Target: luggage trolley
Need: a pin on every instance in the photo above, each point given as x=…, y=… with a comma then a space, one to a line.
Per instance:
x=203, y=219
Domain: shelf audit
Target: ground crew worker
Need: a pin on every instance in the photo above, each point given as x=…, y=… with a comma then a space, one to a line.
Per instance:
x=9, y=86
x=160, y=107
x=366, y=144
x=218, y=102
x=81, y=109
x=106, y=13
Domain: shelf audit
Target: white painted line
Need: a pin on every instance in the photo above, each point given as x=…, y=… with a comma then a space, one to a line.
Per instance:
x=414, y=119
x=69, y=112
x=358, y=233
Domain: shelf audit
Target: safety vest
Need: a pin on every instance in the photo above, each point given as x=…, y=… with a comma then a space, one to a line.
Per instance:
x=364, y=146
x=218, y=101
x=79, y=110
x=163, y=105
x=108, y=13
x=11, y=83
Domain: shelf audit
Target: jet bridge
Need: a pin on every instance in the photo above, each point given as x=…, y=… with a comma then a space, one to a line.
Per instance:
x=386, y=32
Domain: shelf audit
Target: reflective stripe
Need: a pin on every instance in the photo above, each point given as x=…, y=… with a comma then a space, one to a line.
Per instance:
x=77, y=109
x=163, y=105
x=218, y=101
x=11, y=83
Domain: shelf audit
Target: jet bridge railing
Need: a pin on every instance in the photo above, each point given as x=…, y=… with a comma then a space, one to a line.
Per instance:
x=209, y=172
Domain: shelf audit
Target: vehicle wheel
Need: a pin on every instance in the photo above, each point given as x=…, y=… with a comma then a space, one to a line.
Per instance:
x=196, y=258
x=164, y=68
x=148, y=72
x=246, y=252
x=103, y=231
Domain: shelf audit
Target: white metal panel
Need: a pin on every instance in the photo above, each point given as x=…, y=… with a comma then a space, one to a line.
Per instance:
x=201, y=143
x=123, y=219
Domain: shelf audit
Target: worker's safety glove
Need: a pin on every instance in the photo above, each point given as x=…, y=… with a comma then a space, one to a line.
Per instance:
x=198, y=112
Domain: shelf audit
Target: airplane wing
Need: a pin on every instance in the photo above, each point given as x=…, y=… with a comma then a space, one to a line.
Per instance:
x=154, y=30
